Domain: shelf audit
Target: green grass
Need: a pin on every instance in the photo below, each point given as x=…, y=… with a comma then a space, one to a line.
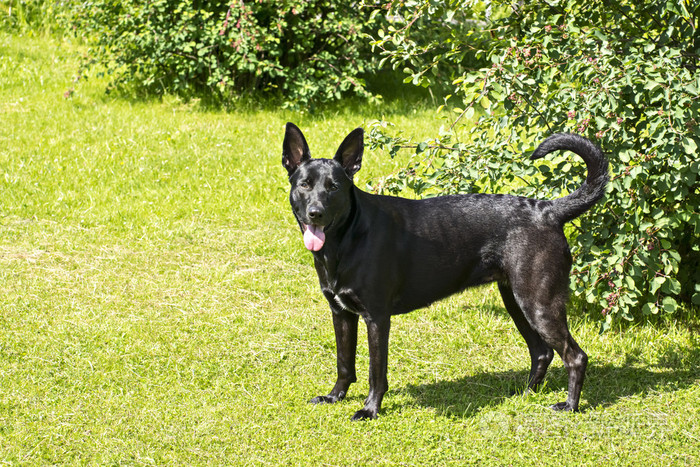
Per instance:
x=157, y=306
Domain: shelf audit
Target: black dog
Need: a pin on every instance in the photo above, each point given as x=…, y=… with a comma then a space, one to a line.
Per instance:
x=378, y=256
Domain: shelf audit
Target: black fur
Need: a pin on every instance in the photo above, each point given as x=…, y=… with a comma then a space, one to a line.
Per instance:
x=378, y=256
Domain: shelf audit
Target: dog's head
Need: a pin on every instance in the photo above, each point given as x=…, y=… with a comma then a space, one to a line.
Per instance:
x=321, y=192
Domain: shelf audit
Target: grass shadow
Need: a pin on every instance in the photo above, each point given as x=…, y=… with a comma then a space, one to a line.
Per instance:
x=464, y=397
x=606, y=384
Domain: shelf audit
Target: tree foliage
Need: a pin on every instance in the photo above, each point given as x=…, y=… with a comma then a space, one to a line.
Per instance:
x=624, y=74
x=307, y=52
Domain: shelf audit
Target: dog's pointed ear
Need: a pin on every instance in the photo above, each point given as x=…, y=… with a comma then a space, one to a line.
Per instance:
x=350, y=151
x=294, y=148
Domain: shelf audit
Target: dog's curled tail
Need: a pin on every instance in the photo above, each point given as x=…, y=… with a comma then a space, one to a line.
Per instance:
x=593, y=188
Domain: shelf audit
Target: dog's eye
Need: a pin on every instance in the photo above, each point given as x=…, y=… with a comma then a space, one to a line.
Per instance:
x=304, y=185
x=333, y=187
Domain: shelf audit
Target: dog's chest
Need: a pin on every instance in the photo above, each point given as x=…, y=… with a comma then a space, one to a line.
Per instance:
x=339, y=297
x=340, y=285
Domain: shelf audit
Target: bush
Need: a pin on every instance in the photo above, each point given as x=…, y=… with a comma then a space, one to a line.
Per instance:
x=625, y=75
x=307, y=52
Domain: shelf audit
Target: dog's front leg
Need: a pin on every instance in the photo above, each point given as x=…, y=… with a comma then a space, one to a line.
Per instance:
x=378, y=340
x=345, y=326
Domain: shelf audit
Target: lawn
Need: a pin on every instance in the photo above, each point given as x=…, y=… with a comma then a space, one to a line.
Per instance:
x=157, y=306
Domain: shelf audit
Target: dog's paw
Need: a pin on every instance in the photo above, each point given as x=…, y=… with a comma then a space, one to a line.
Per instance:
x=364, y=414
x=563, y=407
x=325, y=399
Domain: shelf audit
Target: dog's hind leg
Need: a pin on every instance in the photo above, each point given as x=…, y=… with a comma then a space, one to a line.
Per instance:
x=544, y=306
x=541, y=354
x=345, y=326
x=575, y=361
x=537, y=266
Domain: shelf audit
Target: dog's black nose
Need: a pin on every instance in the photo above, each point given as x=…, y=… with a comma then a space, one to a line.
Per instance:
x=315, y=213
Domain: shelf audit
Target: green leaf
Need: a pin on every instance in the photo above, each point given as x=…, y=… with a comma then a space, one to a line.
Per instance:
x=672, y=286
x=652, y=86
x=656, y=283
x=689, y=146
x=669, y=305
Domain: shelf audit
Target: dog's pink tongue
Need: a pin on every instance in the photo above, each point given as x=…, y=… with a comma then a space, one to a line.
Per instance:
x=314, y=238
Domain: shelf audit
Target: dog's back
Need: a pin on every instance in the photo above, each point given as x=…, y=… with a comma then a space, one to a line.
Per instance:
x=435, y=247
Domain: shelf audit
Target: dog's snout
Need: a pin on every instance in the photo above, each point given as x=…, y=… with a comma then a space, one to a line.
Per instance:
x=315, y=213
